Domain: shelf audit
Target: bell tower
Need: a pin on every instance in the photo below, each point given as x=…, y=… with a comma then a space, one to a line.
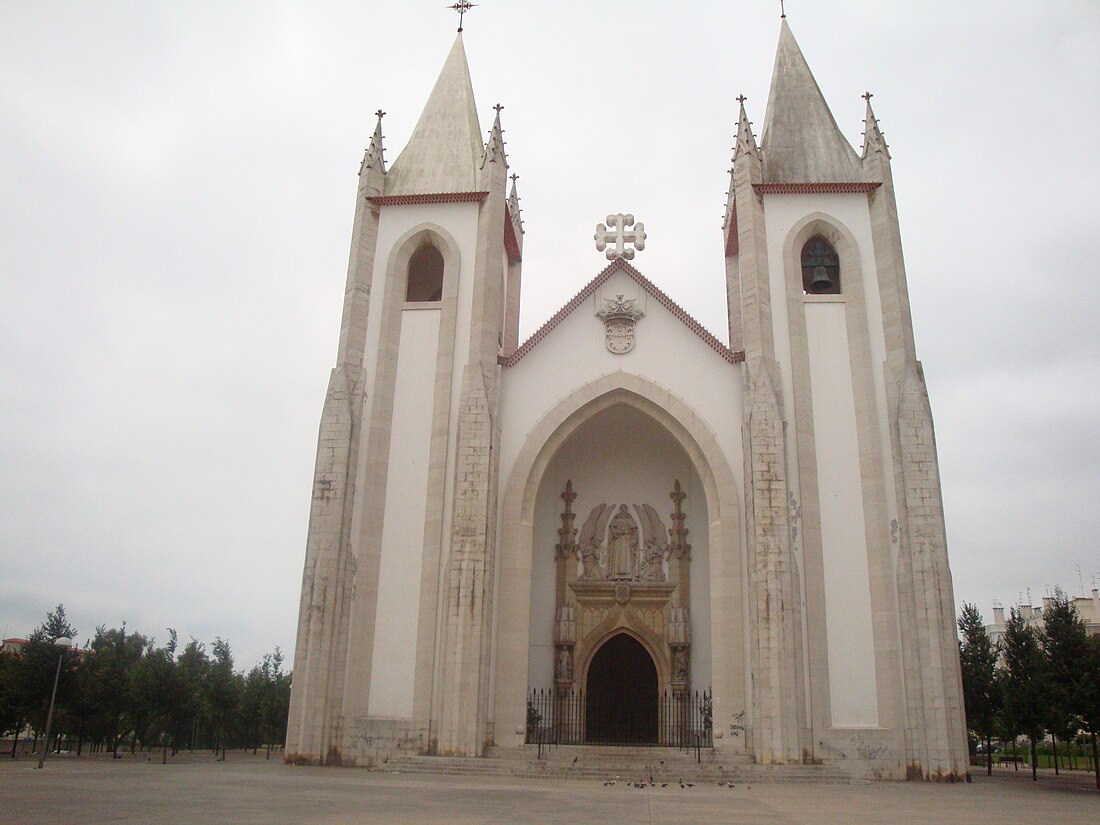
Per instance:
x=397, y=593
x=851, y=612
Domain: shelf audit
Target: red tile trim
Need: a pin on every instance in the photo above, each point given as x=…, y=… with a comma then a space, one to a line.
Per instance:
x=439, y=197
x=815, y=188
x=732, y=245
x=615, y=266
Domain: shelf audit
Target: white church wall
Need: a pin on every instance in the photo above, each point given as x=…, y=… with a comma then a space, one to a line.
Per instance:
x=392, y=669
x=666, y=352
x=671, y=356
x=847, y=582
x=459, y=224
x=852, y=686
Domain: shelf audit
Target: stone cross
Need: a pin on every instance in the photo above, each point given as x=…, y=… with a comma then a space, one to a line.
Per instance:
x=618, y=236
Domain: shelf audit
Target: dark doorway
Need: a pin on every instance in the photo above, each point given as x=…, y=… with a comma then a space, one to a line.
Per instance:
x=622, y=694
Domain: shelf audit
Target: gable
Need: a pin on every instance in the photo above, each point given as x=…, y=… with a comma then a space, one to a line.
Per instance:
x=656, y=294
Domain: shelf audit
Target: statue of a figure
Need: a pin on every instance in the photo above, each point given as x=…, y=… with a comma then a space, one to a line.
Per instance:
x=565, y=665
x=591, y=542
x=680, y=665
x=654, y=564
x=623, y=545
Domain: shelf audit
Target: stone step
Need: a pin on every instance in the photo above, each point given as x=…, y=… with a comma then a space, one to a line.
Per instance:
x=625, y=771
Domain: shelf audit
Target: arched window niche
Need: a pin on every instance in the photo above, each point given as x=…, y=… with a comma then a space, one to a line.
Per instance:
x=425, y=276
x=820, y=267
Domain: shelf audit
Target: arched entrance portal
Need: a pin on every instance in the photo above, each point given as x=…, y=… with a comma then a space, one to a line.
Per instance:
x=621, y=693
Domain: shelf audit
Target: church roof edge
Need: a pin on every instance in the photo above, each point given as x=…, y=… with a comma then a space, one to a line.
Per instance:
x=619, y=265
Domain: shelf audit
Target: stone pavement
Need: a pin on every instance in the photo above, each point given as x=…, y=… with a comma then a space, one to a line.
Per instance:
x=249, y=791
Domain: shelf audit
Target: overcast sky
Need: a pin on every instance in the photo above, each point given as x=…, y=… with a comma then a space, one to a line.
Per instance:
x=176, y=191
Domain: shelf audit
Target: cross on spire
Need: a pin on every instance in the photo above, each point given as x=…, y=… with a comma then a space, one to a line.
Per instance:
x=782, y=11
x=462, y=6
x=867, y=96
x=514, y=177
x=379, y=114
x=497, y=108
x=741, y=99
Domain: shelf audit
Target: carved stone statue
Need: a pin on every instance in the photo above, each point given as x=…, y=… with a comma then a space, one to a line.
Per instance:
x=623, y=545
x=565, y=665
x=654, y=566
x=680, y=665
x=590, y=544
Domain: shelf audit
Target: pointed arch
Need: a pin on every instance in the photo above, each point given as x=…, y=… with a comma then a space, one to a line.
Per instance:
x=725, y=537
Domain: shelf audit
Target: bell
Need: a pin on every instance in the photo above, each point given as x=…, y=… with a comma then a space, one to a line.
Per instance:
x=821, y=282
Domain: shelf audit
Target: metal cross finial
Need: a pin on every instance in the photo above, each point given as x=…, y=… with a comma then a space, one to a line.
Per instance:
x=462, y=6
x=867, y=96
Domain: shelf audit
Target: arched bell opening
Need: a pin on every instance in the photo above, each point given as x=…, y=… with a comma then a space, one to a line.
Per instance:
x=621, y=694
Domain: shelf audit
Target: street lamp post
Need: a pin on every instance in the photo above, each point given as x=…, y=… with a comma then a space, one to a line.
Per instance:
x=64, y=644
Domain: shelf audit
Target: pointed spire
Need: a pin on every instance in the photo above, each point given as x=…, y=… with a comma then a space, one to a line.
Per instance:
x=874, y=142
x=494, y=146
x=513, y=206
x=374, y=157
x=443, y=153
x=801, y=142
x=746, y=140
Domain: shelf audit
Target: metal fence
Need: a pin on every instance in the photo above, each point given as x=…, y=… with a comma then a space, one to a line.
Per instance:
x=556, y=717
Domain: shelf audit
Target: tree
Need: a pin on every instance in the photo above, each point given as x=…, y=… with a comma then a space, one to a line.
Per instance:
x=222, y=693
x=981, y=688
x=194, y=669
x=115, y=655
x=1090, y=698
x=9, y=711
x=1024, y=681
x=33, y=682
x=1065, y=643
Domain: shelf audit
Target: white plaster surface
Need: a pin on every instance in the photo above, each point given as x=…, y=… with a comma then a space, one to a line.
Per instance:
x=843, y=530
x=556, y=371
x=392, y=671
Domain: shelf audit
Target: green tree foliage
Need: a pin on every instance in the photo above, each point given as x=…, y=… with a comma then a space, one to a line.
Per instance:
x=1090, y=699
x=1025, y=681
x=981, y=687
x=125, y=689
x=32, y=683
x=1065, y=643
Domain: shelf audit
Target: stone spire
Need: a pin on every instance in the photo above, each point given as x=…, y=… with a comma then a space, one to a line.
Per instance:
x=445, y=149
x=746, y=140
x=493, y=150
x=874, y=143
x=801, y=142
x=374, y=157
x=513, y=208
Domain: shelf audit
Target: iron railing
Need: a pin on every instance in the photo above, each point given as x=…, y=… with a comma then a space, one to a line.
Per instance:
x=557, y=717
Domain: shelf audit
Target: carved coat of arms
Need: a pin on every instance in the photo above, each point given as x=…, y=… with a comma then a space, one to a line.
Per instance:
x=620, y=316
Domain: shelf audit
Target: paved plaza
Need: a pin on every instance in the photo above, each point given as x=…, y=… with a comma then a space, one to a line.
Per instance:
x=247, y=790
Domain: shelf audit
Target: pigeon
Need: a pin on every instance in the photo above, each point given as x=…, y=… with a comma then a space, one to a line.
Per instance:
x=664, y=784
x=575, y=758
x=691, y=784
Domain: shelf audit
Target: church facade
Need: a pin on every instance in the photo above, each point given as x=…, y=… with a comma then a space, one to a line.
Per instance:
x=623, y=529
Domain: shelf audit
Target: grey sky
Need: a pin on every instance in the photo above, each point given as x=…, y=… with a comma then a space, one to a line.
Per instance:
x=178, y=183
